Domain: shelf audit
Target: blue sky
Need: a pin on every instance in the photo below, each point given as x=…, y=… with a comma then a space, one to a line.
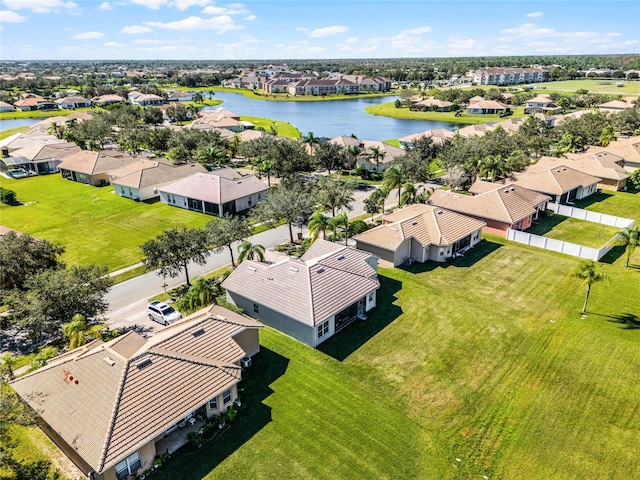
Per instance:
x=264, y=29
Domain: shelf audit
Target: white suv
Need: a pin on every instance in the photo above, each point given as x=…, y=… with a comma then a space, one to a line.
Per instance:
x=162, y=313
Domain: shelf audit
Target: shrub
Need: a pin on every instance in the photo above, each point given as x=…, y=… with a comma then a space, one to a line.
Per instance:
x=358, y=226
x=8, y=196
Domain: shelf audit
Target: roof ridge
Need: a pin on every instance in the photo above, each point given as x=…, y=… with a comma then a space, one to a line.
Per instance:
x=435, y=220
x=311, y=302
x=114, y=415
x=197, y=359
x=503, y=203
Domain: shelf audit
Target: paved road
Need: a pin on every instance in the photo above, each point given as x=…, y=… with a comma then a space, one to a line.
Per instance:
x=128, y=300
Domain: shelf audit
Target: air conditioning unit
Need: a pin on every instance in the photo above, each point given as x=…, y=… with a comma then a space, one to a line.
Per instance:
x=245, y=362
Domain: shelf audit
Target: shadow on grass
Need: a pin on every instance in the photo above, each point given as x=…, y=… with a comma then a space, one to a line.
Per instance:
x=477, y=253
x=545, y=224
x=190, y=462
x=627, y=321
x=151, y=201
x=350, y=339
x=612, y=255
x=592, y=199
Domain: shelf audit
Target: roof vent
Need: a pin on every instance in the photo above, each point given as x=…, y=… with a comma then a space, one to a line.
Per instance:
x=253, y=269
x=393, y=229
x=341, y=257
x=144, y=363
x=414, y=223
x=439, y=212
x=320, y=270
x=198, y=332
x=220, y=317
x=109, y=360
x=293, y=269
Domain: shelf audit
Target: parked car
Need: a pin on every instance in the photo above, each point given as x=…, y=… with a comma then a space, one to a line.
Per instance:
x=162, y=313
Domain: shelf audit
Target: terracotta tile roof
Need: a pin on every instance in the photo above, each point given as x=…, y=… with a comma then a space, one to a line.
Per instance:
x=429, y=102
x=551, y=180
x=429, y=225
x=628, y=148
x=439, y=135
x=508, y=203
x=601, y=164
x=91, y=163
x=218, y=186
x=146, y=173
x=616, y=105
x=130, y=390
x=309, y=290
x=476, y=130
x=38, y=152
x=487, y=104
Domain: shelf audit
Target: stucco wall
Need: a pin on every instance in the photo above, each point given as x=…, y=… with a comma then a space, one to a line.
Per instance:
x=249, y=341
x=386, y=255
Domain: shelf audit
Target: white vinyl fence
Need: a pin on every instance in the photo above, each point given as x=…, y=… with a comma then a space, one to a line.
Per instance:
x=589, y=216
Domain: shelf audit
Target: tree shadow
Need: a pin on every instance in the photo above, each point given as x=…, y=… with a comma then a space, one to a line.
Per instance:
x=612, y=255
x=471, y=257
x=359, y=332
x=266, y=368
x=627, y=321
x=545, y=224
x=592, y=199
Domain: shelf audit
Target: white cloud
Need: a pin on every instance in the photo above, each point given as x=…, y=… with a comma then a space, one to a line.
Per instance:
x=220, y=24
x=7, y=16
x=155, y=41
x=114, y=45
x=39, y=6
x=411, y=41
x=324, y=31
x=152, y=4
x=231, y=9
x=184, y=4
x=250, y=18
x=535, y=14
x=464, y=46
x=613, y=34
x=351, y=40
x=528, y=30
x=135, y=29
x=89, y=35
x=105, y=6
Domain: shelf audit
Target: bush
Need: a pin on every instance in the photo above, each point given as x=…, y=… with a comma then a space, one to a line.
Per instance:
x=358, y=226
x=8, y=196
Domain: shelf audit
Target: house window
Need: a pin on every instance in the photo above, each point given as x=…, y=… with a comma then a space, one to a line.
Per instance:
x=323, y=329
x=213, y=403
x=256, y=308
x=128, y=466
x=226, y=397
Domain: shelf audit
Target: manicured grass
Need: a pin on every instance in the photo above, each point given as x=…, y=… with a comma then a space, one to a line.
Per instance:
x=40, y=113
x=126, y=275
x=95, y=225
x=486, y=360
x=12, y=131
x=620, y=204
x=390, y=110
x=573, y=230
x=284, y=129
x=205, y=103
x=593, y=86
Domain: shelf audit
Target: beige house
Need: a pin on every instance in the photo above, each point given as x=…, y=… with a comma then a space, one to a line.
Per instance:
x=46, y=158
x=541, y=103
x=486, y=107
x=309, y=298
x=432, y=104
x=438, y=135
x=141, y=180
x=604, y=165
x=615, y=106
x=93, y=168
x=111, y=406
x=626, y=148
x=373, y=163
x=420, y=233
x=501, y=208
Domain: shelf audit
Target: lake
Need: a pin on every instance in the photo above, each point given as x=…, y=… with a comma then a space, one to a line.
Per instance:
x=329, y=118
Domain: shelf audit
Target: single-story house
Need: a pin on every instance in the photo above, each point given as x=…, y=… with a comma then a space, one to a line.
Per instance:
x=420, y=233
x=615, y=106
x=34, y=103
x=438, y=135
x=511, y=125
x=627, y=148
x=110, y=406
x=550, y=120
x=6, y=107
x=372, y=163
x=477, y=130
x=503, y=207
x=309, y=298
x=487, y=107
x=541, y=103
x=604, y=165
x=179, y=96
x=73, y=102
x=432, y=104
x=216, y=193
x=221, y=118
x=108, y=99
x=475, y=99
x=93, y=168
x=563, y=184
x=146, y=99
x=45, y=158
x=141, y=180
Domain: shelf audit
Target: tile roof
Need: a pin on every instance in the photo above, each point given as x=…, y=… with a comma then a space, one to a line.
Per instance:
x=439, y=135
x=219, y=186
x=146, y=173
x=429, y=225
x=550, y=180
x=309, y=290
x=92, y=163
x=601, y=164
x=106, y=400
x=508, y=203
x=38, y=152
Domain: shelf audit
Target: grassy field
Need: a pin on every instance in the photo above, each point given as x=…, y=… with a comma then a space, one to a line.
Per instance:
x=390, y=110
x=620, y=204
x=95, y=225
x=12, y=131
x=593, y=86
x=40, y=113
x=573, y=230
x=459, y=361
x=284, y=129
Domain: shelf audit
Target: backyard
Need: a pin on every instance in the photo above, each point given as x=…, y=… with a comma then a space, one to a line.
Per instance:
x=573, y=230
x=483, y=367
x=95, y=225
x=390, y=110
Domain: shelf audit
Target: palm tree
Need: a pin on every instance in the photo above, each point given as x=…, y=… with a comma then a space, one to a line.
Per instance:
x=211, y=94
x=353, y=151
x=311, y=140
x=6, y=368
x=55, y=130
x=250, y=251
x=607, y=136
x=211, y=156
x=628, y=237
x=394, y=178
x=193, y=111
x=586, y=271
x=266, y=166
x=376, y=155
x=201, y=293
x=492, y=166
x=77, y=331
x=318, y=222
x=340, y=220
x=197, y=97
x=234, y=144
x=413, y=194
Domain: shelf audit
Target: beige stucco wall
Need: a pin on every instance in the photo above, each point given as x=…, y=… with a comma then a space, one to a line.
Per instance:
x=221, y=408
x=613, y=185
x=249, y=341
x=147, y=455
x=402, y=252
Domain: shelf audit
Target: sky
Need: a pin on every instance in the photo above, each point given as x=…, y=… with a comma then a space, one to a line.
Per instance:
x=305, y=29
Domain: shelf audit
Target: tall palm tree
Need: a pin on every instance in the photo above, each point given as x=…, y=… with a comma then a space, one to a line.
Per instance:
x=211, y=156
x=266, y=167
x=250, y=251
x=607, y=136
x=628, y=238
x=197, y=97
x=318, y=222
x=586, y=271
x=340, y=220
x=312, y=141
x=77, y=331
x=394, y=177
x=55, y=130
x=492, y=166
x=376, y=155
x=353, y=151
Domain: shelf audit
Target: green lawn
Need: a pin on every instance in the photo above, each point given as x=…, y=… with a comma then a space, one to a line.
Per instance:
x=95, y=225
x=32, y=445
x=284, y=129
x=40, y=113
x=390, y=110
x=620, y=204
x=486, y=360
x=12, y=131
x=573, y=230
x=593, y=86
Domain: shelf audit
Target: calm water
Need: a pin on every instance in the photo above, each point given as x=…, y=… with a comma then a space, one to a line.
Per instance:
x=324, y=119
x=331, y=118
